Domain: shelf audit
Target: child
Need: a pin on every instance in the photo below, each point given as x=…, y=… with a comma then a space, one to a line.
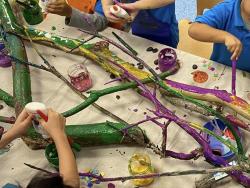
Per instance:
x=227, y=25
x=55, y=128
x=75, y=18
x=151, y=19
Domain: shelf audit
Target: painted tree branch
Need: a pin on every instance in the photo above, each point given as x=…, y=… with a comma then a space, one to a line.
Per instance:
x=7, y=98
x=95, y=95
x=10, y=120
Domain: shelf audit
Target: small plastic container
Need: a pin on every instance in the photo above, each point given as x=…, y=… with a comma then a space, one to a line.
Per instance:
x=32, y=108
x=167, y=58
x=140, y=164
x=80, y=77
x=220, y=129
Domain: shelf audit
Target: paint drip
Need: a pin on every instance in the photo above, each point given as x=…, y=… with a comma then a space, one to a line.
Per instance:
x=80, y=77
x=167, y=59
x=140, y=164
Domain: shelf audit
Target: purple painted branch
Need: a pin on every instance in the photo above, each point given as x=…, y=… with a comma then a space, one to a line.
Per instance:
x=164, y=112
x=157, y=175
x=158, y=123
x=234, y=77
x=182, y=156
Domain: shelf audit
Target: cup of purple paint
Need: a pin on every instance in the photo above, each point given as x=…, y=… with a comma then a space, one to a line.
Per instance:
x=167, y=58
x=80, y=77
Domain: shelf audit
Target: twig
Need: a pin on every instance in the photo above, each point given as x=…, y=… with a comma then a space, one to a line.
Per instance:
x=10, y=120
x=164, y=138
x=157, y=175
x=100, y=178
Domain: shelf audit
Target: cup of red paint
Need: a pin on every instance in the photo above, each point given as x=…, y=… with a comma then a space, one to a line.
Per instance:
x=80, y=77
x=167, y=58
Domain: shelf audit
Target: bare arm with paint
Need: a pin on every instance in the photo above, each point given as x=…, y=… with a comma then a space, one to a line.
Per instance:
x=206, y=33
x=67, y=163
x=20, y=127
x=133, y=8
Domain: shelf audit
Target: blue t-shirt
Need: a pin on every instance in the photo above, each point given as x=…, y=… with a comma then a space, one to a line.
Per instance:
x=98, y=7
x=227, y=16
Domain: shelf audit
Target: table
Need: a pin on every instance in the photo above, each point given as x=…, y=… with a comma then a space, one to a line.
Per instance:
x=112, y=160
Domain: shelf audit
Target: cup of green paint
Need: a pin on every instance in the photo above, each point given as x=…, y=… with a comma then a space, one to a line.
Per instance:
x=32, y=13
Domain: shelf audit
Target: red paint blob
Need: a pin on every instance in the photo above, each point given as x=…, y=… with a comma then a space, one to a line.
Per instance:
x=200, y=76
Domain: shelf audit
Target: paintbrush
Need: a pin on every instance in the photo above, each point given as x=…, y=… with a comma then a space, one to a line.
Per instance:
x=125, y=44
x=234, y=77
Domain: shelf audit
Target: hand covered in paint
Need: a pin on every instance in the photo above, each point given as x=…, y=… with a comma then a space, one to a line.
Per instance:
x=22, y=124
x=59, y=7
x=233, y=45
x=55, y=124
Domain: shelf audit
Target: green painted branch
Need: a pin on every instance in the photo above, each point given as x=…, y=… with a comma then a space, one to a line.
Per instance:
x=21, y=74
x=107, y=133
x=7, y=98
x=95, y=95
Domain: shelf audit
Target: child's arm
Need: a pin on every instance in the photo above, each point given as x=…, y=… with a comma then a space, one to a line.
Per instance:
x=76, y=18
x=133, y=8
x=67, y=162
x=206, y=33
x=20, y=127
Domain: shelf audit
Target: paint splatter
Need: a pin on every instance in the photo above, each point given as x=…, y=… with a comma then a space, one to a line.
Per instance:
x=53, y=28
x=155, y=50
x=140, y=66
x=195, y=66
x=200, y=76
x=216, y=75
x=111, y=185
x=117, y=97
x=112, y=76
x=149, y=49
x=156, y=62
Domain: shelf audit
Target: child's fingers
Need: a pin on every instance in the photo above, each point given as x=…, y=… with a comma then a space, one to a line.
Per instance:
x=28, y=120
x=23, y=115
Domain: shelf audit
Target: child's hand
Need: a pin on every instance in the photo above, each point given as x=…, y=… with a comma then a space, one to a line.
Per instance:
x=55, y=124
x=131, y=8
x=109, y=15
x=59, y=7
x=22, y=123
x=234, y=45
